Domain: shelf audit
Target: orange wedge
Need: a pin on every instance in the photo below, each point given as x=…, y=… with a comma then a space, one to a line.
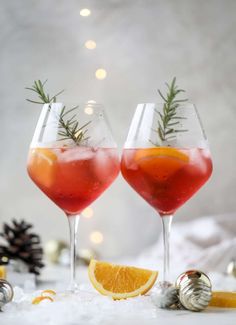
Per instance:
x=41, y=165
x=120, y=282
x=161, y=162
x=3, y=272
x=223, y=299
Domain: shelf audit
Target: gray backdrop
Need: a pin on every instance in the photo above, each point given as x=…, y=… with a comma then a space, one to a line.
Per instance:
x=141, y=44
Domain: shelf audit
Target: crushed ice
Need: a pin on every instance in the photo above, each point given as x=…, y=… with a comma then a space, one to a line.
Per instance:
x=90, y=308
x=85, y=307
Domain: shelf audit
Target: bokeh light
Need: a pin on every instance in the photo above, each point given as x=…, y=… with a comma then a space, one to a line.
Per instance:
x=100, y=74
x=96, y=237
x=90, y=45
x=87, y=212
x=88, y=110
x=85, y=12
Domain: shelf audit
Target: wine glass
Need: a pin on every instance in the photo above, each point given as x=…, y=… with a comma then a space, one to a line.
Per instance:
x=73, y=159
x=166, y=168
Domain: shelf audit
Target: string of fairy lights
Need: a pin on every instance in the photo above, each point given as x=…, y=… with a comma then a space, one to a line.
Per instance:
x=91, y=45
x=96, y=237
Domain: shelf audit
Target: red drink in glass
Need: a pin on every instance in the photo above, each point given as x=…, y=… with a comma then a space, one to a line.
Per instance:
x=166, y=177
x=73, y=177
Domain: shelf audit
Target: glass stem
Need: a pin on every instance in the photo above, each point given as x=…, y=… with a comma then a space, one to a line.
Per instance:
x=166, y=226
x=73, y=225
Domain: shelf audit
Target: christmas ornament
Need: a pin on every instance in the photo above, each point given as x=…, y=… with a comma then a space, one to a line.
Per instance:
x=231, y=268
x=194, y=290
x=53, y=249
x=58, y=252
x=22, y=245
x=64, y=257
x=83, y=256
x=6, y=292
x=191, y=291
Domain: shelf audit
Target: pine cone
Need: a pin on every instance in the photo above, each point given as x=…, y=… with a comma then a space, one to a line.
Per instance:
x=22, y=245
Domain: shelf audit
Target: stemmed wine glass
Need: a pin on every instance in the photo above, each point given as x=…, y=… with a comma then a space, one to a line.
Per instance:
x=73, y=159
x=166, y=165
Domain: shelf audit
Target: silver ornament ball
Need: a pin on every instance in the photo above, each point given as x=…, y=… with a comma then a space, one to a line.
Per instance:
x=194, y=290
x=6, y=292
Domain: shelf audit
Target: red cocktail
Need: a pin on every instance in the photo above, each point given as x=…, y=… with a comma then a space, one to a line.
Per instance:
x=166, y=158
x=73, y=177
x=166, y=177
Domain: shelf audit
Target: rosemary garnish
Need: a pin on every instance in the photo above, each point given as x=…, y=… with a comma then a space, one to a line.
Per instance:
x=69, y=128
x=38, y=88
x=169, y=120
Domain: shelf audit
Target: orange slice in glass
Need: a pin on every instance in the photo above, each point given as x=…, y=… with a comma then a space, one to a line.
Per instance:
x=42, y=165
x=161, y=162
x=120, y=282
x=223, y=299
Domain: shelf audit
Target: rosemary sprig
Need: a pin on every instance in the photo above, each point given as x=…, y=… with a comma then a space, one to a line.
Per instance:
x=69, y=129
x=38, y=88
x=168, y=119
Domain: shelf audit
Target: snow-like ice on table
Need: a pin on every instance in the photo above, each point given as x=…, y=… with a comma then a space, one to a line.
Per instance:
x=90, y=308
x=86, y=307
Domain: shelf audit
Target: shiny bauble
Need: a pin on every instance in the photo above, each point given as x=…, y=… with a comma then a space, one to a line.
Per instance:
x=194, y=290
x=6, y=292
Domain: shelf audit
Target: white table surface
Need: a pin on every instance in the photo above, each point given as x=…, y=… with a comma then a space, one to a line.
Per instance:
x=135, y=311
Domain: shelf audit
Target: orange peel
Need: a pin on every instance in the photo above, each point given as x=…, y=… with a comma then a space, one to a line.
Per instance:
x=3, y=272
x=48, y=292
x=223, y=299
x=39, y=299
